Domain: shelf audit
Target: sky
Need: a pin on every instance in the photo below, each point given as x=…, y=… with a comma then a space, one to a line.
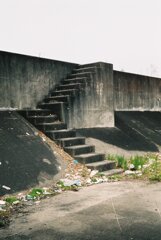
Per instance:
x=126, y=33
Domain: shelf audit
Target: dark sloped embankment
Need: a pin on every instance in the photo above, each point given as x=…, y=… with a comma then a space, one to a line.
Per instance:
x=25, y=159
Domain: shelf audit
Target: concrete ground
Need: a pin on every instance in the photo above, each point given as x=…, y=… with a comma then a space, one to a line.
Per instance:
x=117, y=210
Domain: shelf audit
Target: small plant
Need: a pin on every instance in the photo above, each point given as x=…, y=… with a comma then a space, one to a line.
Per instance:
x=155, y=178
x=119, y=159
x=156, y=170
x=111, y=157
x=122, y=162
x=156, y=165
x=35, y=193
x=94, y=180
x=67, y=188
x=138, y=161
x=11, y=200
x=100, y=174
x=115, y=177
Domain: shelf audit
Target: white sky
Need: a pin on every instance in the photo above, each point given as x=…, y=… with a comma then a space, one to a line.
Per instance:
x=126, y=33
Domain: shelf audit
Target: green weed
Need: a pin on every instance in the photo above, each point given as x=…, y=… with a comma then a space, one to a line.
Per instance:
x=35, y=193
x=119, y=159
x=67, y=188
x=11, y=200
x=122, y=162
x=138, y=161
x=111, y=157
x=115, y=177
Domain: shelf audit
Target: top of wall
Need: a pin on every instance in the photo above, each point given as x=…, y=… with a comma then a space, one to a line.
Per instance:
x=128, y=74
x=34, y=57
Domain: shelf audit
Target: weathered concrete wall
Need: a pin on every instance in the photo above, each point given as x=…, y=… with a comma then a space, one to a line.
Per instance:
x=25, y=80
x=94, y=105
x=136, y=92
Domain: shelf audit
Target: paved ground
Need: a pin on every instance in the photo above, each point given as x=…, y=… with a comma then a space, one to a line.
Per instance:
x=120, y=210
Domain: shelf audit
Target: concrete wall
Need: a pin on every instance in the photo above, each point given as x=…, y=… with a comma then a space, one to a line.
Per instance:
x=93, y=107
x=25, y=80
x=136, y=92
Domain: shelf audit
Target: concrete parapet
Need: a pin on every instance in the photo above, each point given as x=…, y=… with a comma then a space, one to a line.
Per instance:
x=133, y=92
x=26, y=80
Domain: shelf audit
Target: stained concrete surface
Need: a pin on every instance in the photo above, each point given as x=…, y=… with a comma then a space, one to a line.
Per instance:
x=25, y=159
x=136, y=92
x=26, y=80
x=134, y=133
x=109, y=211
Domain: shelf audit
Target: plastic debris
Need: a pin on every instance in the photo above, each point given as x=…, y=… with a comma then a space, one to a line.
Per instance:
x=45, y=160
x=129, y=172
x=88, y=181
x=16, y=202
x=6, y=187
x=46, y=191
x=29, y=197
x=93, y=173
x=75, y=161
x=44, y=140
x=69, y=183
x=131, y=166
x=2, y=203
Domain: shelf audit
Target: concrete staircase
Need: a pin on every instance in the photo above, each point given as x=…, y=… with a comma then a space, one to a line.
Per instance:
x=50, y=118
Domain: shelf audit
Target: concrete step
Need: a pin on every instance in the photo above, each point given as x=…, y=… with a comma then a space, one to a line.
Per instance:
x=62, y=133
x=61, y=98
x=66, y=142
x=51, y=126
x=79, y=79
x=113, y=172
x=70, y=92
x=78, y=75
x=102, y=165
x=90, y=157
x=70, y=86
x=79, y=149
x=83, y=80
x=88, y=65
x=53, y=106
x=85, y=69
x=56, y=107
x=42, y=119
x=35, y=112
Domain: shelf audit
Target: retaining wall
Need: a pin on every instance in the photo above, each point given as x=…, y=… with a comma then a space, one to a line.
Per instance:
x=25, y=80
x=136, y=92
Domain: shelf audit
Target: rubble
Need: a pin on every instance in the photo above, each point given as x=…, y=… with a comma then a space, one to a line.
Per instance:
x=76, y=176
x=6, y=187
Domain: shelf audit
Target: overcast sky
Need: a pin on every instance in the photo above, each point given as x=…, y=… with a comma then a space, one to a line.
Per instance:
x=126, y=33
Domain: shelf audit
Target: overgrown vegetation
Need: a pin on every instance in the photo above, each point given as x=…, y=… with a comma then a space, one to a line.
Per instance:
x=144, y=167
x=11, y=199
x=119, y=159
x=138, y=161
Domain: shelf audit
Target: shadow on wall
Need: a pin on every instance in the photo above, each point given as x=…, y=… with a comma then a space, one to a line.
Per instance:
x=118, y=136
x=25, y=160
